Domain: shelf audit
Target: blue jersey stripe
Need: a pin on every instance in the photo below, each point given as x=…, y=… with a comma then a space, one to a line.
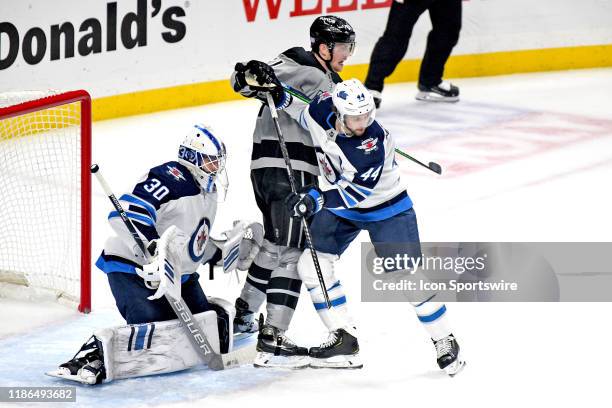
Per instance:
x=376, y=215
x=135, y=200
x=135, y=216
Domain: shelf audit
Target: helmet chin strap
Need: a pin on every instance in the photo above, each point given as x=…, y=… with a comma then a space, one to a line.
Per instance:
x=327, y=62
x=344, y=127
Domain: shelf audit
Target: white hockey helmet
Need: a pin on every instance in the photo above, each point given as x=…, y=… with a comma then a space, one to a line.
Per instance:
x=354, y=103
x=205, y=156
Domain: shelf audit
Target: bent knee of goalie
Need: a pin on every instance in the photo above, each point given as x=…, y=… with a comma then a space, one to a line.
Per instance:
x=307, y=270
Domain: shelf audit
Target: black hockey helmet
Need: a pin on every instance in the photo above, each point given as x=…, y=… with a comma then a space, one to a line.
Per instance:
x=330, y=30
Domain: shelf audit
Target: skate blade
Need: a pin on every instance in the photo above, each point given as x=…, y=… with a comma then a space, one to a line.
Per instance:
x=434, y=97
x=346, y=362
x=270, y=360
x=454, y=368
x=70, y=377
x=243, y=335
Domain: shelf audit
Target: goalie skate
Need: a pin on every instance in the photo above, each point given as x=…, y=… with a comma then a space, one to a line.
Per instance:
x=244, y=322
x=88, y=369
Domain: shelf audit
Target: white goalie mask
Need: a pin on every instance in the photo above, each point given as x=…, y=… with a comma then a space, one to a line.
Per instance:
x=205, y=156
x=354, y=105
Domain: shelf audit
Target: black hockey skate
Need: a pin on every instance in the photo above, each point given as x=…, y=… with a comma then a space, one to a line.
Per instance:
x=341, y=350
x=244, y=322
x=443, y=92
x=448, y=357
x=86, y=366
x=275, y=349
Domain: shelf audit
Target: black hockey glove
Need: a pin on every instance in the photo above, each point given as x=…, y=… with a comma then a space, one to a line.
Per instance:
x=304, y=204
x=260, y=77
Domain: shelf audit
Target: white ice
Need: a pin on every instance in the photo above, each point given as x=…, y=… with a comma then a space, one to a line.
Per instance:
x=526, y=158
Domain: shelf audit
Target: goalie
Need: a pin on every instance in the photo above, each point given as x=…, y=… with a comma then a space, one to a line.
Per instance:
x=172, y=208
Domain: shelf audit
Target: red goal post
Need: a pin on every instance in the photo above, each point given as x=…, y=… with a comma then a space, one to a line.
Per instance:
x=45, y=193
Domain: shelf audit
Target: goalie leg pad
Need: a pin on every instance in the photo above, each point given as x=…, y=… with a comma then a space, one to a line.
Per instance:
x=153, y=348
x=226, y=312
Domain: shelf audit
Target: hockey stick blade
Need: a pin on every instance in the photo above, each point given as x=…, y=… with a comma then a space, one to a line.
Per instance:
x=435, y=167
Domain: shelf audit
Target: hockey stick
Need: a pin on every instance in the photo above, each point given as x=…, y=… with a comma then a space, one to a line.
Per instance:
x=435, y=167
x=285, y=152
x=195, y=334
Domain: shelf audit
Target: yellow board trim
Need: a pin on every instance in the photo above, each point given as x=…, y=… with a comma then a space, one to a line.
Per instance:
x=458, y=66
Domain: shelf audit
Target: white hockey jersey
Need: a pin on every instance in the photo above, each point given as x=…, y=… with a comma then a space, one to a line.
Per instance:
x=360, y=177
x=167, y=195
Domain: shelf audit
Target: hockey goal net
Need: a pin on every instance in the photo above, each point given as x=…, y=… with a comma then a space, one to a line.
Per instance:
x=45, y=154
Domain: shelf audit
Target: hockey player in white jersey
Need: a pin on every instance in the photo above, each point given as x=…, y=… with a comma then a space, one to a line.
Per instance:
x=360, y=190
x=173, y=208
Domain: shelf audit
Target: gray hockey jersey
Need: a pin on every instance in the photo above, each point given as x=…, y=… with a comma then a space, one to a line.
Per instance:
x=167, y=195
x=300, y=70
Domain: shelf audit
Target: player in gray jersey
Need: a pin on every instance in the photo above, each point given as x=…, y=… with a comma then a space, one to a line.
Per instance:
x=273, y=275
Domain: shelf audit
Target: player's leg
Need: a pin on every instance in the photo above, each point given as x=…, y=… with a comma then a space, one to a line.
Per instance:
x=392, y=46
x=399, y=235
x=283, y=289
x=130, y=293
x=253, y=293
x=446, y=21
x=331, y=236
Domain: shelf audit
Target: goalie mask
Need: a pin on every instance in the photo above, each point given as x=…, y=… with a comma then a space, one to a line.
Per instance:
x=205, y=156
x=354, y=106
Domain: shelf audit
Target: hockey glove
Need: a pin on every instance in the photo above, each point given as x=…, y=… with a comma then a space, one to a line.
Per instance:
x=165, y=267
x=239, y=245
x=260, y=77
x=304, y=204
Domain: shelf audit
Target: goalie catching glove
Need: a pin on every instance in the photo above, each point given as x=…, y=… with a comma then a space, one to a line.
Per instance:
x=260, y=78
x=240, y=245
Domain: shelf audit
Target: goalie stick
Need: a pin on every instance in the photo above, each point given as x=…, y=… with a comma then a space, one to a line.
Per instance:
x=194, y=332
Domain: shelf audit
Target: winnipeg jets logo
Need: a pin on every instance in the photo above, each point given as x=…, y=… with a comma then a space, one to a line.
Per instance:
x=369, y=145
x=327, y=169
x=197, y=242
x=342, y=95
x=323, y=95
x=176, y=173
x=201, y=239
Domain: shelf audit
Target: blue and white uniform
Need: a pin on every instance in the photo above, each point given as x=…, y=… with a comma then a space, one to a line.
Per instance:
x=361, y=179
x=362, y=190
x=167, y=195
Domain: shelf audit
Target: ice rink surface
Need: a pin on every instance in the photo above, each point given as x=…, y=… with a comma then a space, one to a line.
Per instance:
x=525, y=158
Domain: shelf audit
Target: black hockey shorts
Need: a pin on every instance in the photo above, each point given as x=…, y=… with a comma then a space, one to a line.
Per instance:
x=271, y=187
